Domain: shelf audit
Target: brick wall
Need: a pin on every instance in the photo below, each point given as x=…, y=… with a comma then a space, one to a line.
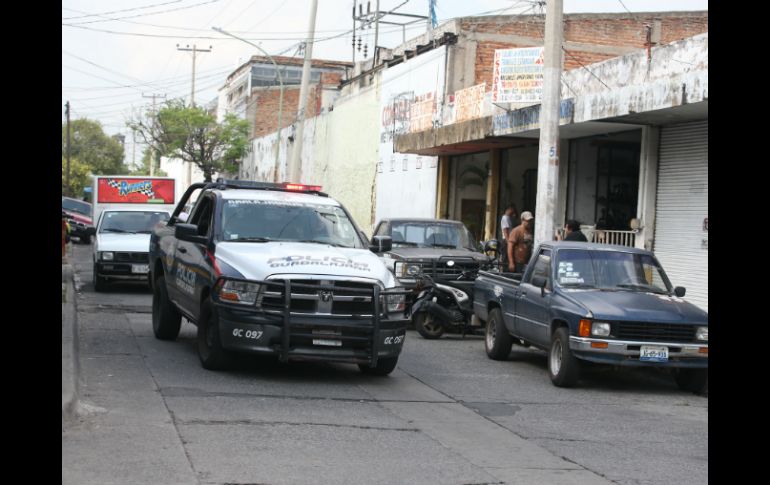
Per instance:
x=266, y=102
x=615, y=30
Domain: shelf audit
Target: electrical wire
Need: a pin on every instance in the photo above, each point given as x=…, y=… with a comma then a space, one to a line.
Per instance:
x=115, y=11
x=143, y=14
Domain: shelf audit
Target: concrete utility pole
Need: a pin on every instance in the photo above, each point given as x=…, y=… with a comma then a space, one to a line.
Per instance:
x=67, y=110
x=376, y=31
x=295, y=164
x=195, y=51
x=548, y=154
x=154, y=120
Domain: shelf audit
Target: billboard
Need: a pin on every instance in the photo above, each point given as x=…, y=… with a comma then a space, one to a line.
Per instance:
x=518, y=75
x=411, y=95
x=135, y=190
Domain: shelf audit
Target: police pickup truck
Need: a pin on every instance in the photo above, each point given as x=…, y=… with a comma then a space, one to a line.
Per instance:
x=595, y=303
x=278, y=269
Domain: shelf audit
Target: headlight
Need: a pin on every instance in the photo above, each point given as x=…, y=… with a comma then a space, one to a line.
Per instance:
x=404, y=269
x=702, y=334
x=395, y=303
x=600, y=329
x=106, y=256
x=240, y=292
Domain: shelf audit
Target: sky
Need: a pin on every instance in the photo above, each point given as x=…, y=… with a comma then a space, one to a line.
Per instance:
x=117, y=53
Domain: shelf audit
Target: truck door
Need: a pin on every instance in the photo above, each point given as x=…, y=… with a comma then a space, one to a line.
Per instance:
x=532, y=308
x=191, y=271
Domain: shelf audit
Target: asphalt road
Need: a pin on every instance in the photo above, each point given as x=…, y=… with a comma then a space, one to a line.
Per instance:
x=150, y=413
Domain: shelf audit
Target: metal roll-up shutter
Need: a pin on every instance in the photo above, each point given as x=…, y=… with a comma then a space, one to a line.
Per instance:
x=681, y=213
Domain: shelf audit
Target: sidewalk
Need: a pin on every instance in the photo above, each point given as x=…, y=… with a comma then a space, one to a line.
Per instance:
x=70, y=368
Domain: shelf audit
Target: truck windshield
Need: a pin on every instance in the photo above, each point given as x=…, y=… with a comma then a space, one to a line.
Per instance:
x=610, y=270
x=270, y=220
x=431, y=234
x=76, y=206
x=132, y=222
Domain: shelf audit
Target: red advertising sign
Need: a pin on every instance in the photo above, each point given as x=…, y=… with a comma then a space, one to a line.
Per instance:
x=136, y=190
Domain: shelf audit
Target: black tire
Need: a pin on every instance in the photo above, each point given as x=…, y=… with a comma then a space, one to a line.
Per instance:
x=100, y=284
x=563, y=367
x=428, y=325
x=210, y=351
x=85, y=239
x=497, y=340
x=384, y=366
x=166, y=319
x=692, y=380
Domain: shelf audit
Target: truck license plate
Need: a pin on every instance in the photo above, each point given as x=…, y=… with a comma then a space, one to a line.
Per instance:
x=326, y=341
x=653, y=353
x=140, y=268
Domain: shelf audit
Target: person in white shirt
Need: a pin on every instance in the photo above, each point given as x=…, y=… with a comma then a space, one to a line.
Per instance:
x=506, y=225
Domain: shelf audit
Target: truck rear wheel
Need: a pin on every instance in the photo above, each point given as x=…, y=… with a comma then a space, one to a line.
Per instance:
x=384, y=366
x=210, y=351
x=166, y=319
x=693, y=380
x=563, y=367
x=497, y=340
x=428, y=325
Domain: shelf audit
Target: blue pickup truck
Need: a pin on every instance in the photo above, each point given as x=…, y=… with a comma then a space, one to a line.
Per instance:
x=598, y=303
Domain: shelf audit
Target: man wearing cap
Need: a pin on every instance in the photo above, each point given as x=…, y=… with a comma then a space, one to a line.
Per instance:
x=520, y=242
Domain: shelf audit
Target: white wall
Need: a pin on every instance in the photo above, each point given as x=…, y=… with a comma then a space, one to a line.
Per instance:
x=406, y=183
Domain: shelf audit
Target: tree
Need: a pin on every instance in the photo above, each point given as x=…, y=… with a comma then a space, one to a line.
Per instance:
x=93, y=148
x=79, y=177
x=144, y=166
x=193, y=135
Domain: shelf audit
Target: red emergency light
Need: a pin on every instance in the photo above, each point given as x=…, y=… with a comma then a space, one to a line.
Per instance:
x=302, y=187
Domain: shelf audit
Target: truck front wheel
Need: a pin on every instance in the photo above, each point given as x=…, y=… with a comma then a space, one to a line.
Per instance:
x=166, y=319
x=384, y=367
x=563, y=367
x=210, y=351
x=693, y=380
x=497, y=340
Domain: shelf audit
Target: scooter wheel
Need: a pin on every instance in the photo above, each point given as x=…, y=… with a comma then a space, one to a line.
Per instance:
x=428, y=325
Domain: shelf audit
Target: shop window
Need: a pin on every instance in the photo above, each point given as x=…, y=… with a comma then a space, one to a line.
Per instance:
x=617, y=185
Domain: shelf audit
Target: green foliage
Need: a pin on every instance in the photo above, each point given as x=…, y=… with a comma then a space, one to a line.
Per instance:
x=79, y=177
x=193, y=135
x=144, y=165
x=92, y=147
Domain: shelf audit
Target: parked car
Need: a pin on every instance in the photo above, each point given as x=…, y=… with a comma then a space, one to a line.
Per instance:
x=122, y=246
x=443, y=250
x=597, y=303
x=276, y=269
x=79, y=218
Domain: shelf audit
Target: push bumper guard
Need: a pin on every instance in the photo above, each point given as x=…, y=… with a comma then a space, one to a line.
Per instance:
x=360, y=338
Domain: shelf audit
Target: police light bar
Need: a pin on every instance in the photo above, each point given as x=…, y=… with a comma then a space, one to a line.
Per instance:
x=301, y=187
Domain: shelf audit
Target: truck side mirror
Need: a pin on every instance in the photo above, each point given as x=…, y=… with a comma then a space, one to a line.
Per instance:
x=540, y=282
x=188, y=232
x=679, y=291
x=381, y=244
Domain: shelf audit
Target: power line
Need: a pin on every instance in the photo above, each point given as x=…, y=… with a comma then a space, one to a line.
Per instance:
x=115, y=11
x=624, y=6
x=584, y=67
x=145, y=14
x=101, y=67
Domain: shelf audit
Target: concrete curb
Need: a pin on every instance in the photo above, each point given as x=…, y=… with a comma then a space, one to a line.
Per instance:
x=70, y=359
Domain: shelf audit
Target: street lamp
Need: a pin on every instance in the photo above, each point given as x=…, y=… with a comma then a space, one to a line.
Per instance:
x=280, y=100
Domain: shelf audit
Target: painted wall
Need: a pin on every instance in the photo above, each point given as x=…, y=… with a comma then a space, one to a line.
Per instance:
x=406, y=183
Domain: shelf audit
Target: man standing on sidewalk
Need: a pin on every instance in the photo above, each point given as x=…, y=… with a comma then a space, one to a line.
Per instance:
x=506, y=224
x=520, y=242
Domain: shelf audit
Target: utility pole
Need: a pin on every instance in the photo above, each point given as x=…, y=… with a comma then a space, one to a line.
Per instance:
x=195, y=51
x=67, y=110
x=133, y=149
x=154, y=120
x=548, y=154
x=295, y=165
x=376, y=31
